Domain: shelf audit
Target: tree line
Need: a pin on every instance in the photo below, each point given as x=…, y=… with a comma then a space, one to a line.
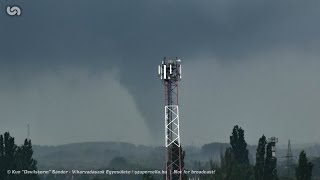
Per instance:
x=15, y=158
x=235, y=163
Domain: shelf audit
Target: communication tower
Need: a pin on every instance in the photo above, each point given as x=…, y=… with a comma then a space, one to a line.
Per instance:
x=289, y=156
x=289, y=162
x=169, y=72
x=273, y=141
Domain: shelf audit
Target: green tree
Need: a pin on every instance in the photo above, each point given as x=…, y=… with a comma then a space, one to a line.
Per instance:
x=239, y=146
x=2, y=159
x=9, y=155
x=24, y=160
x=13, y=157
x=235, y=162
x=260, y=159
x=265, y=167
x=304, y=169
x=214, y=167
x=316, y=168
x=226, y=165
x=270, y=171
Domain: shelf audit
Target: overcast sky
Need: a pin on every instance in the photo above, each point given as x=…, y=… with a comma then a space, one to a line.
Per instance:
x=83, y=70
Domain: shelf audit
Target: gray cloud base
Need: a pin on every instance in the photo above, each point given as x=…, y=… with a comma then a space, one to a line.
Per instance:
x=133, y=37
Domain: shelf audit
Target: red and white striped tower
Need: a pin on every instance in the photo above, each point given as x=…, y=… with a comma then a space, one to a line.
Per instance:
x=170, y=74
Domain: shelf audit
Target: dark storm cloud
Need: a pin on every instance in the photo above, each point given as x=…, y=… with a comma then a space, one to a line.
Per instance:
x=133, y=36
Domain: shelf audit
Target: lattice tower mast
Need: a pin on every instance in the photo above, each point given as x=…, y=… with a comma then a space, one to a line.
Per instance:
x=170, y=74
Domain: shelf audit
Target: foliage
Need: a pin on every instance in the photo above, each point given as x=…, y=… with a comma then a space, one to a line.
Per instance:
x=270, y=171
x=260, y=158
x=304, y=169
x=235, y=162
x=265, y=167
x=13, y=157
x=316, y=168
x=239, y=146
